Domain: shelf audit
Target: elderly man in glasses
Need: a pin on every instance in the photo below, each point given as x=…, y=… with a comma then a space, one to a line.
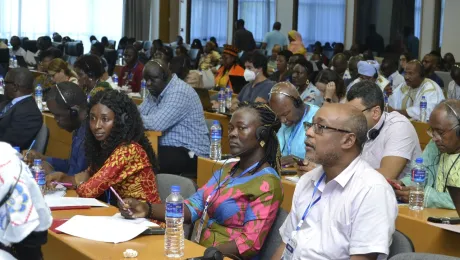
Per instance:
x=441, y=157
x=343, y=209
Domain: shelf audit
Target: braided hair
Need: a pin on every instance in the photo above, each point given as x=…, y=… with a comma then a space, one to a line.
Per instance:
x=128, y=127
x=272, y=123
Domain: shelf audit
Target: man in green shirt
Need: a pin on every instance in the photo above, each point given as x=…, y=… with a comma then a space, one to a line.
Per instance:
x=441, y=157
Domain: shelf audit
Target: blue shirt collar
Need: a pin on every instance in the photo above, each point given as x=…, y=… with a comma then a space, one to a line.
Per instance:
x=16, y=100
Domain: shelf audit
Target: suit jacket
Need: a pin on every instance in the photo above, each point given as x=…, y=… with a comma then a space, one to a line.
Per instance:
x=21, y=123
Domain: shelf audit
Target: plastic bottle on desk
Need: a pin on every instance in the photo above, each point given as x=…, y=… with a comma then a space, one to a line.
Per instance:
x=11, y=62
x=120, y=59
x=385, y=98
x=221, y=100
x=143, y=89
x=215, y=152
x=115, y=78
x=228, y=98
x=39, y=97
x=2, y=88
x=15, y=62
x=39, y=175
x=417, y=194
x=174, y=218
x=423, y=115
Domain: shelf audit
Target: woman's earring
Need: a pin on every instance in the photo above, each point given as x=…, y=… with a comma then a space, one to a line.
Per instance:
x=262, y=143
x=307, y=83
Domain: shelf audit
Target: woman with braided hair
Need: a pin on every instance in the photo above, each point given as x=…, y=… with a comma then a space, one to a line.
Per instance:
x=239, y=203
x=118, y=152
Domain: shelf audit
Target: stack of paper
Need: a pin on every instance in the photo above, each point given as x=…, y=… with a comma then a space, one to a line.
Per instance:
x=453, y=228
x=72, y=202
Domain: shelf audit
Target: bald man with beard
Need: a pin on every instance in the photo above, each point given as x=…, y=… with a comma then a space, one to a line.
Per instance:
x=343, y=209
x=285, y=101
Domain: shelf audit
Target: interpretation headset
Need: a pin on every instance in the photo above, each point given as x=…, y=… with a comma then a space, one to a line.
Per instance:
x=458, y=119
x=165, y=75
x=262, y=133
x=422, y=68
x=374, y=133
x=297, y=101
x=74, y=111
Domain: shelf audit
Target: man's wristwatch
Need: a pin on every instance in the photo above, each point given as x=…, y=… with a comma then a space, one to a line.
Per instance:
x=329, y=100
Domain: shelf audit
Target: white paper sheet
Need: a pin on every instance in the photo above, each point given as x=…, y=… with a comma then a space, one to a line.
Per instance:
x=453, y=228
x=72, y=201
x=294, y=179
x=59, y=192
x=138, y=221
x=103, y=229
x=30, y=58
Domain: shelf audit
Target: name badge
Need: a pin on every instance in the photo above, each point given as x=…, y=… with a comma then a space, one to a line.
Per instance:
x=288, y=253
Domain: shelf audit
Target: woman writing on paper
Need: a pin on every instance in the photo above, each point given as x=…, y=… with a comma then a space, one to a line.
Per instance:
x=243, y=198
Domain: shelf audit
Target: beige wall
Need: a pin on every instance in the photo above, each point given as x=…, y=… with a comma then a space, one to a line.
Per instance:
x=450, y=36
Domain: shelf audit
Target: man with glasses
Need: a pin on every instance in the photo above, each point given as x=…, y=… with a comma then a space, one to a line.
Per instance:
x=392, y=142
x=441, y=157
x=20, y=118
x=343, y=209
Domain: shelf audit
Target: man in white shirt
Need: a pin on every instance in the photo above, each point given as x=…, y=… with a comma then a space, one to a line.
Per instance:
x=406, y=97
x=389, y=69
x=352, y=210
x=273, y=38
x=392, y=140
x=453, y=90
x=16, y=49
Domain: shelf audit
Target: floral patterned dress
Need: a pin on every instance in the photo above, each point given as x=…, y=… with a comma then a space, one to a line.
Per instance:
x=243, y=210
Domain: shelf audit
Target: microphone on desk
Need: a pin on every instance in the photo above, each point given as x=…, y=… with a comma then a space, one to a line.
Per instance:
x=210, y=253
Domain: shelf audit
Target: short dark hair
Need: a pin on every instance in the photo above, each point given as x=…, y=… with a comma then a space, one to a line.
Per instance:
x=286, y=54
x=99, y=47
x=240, y=23
x=180, y=65
x=357, y=124
x=306, y=64
x=131, y=47
x=23, y=78
x=327, y=75
x=91, y=65
x=104, y=39
x=258, y=61
x=392, y=62
x=370, y=94
x=73, y=94
x=277, y=26
x=46, y=42
x=52, y=53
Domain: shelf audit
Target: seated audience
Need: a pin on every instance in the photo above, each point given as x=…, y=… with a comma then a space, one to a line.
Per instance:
x=60, y=71
x=295, y=43
x=165, y=53
x=179, y=43
x=259, y=86
x=181, y=51
x=93, y=39
x=389, y=69
x=288, y=106
x=368, y=55
x=115, y=132
x=229, y=67
x=44, y=79
x=180, y=67
x=175, y=109
x=214, y=40
x=430, y=63
x=440, y=157
x=238, y=223
x=273, y=38
x=67, y=102
x=282, y=73
x=453, y=90
x=403, y=60
x=368, y=71
x=392, y=143
x=293, y=60
x=20, y=118
x=300, y=78
x=90, y=71
x=406, y=98
x=210, y=57
x=449, y=61
x=25, y=215
x=331, y=86
x=156, y=45
x=339, y=64
x=131, y=73
x=43, y=44
x=352, y=212
x=338, y=48
x=271, y=65
x=105, y=42
x=353, y=69
x=97, y=49
x=16, y=49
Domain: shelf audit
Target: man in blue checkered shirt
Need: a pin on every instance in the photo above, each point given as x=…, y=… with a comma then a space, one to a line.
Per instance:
x=174, y=108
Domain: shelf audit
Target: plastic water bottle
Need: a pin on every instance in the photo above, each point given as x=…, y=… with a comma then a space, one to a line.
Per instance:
x=11, y=62
x=417, y=195
x=174, y=217
x=15, y=62
x=2, y=88
x=221, y=100
x=215, y=152
x=39, y=97
x=39, y=175
x=228, y=97
x=423, y=109
x=385, y=98
x=120, y=59
x=143, y=89
x=115, y=78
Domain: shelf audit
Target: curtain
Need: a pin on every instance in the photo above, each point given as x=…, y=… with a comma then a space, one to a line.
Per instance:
x=136, y=13
x=258, y=16
x=321, y=20
x=76, y=19
x=417, y=17
x=209, y=18
x=403, y=14
x=441, y=27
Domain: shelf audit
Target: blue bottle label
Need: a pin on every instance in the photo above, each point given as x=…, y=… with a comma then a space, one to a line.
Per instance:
x=418, y=175
x=174, y=209
x=215, y=134
x=423, y=104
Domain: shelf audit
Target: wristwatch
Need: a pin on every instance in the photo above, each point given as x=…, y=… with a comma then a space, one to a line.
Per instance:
x=328, y=100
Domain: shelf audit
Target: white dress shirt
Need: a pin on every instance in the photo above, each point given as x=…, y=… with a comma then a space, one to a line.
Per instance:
x=355, y=215
x=406, y=98
x=381, y=81
x=396, y=79
x=453, y=90
x=18, y=52
x=397, y=137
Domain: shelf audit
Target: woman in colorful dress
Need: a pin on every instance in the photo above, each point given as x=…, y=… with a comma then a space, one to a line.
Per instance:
x=118, y=152
x=243, y=198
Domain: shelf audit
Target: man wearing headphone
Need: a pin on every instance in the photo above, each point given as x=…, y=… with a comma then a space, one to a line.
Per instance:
x=67, y=102
x=285, y=101
x=406, y=98
x=392, y=142
x=441, y=157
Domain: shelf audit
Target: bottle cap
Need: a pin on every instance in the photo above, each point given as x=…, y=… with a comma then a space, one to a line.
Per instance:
x=17, y=149
x=37, y=161
x=215, y=122
x=423, y=96
x=175, y=188
x=419, y=160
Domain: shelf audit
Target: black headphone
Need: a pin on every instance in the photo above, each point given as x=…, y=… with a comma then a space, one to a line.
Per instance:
x=458, y=119
x=296, y=100
x=262, y=133
x=74, y=111
x=163, y=70
x=374, y=133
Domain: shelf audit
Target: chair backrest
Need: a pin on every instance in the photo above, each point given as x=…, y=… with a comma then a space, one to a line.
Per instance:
x=423, y=136
x=147, y=45
x=401, y=244
x=421, y=256
x=111, y=56
x=23, y=39
x=445, y=76
x=273, y=239
x=72, y=51
x=4, y=56
x=113, y=43
x=30, y=45
x=58, y=45
x=41, y=140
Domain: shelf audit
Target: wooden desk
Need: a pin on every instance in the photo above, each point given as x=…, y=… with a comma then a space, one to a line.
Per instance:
x=421, y=129
x=224, y=120
x=117, y=70
x=137, y=101
x=62, y=246
x=215, y=92
x=207, y=167
x=427, y=238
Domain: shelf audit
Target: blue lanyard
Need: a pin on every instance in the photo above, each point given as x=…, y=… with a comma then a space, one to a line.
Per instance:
x=294, y=132
x=307, y=210
x=107, y=195
x=130, y=74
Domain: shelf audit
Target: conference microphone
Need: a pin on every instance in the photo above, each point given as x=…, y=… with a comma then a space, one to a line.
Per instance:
x=210, y=253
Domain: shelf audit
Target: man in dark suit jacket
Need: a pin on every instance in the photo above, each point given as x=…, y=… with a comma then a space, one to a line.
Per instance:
x=20, y=118
x=243, y=39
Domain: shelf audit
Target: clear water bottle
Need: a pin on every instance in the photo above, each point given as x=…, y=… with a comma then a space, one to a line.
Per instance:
x=39, y=175
x=215, y=152
x=143, y=89
x=423, y=104
x=11, y=62
x=417, y=195
x=221, y=100
x=174, y=218
x=39, y=96
x=15, y=62
x=385, y=99
x=120, y=59
x=115, y=78
x=228, y=98
x=2, y=88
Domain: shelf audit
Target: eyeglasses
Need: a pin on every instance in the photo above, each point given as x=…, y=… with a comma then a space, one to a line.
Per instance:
x=432, y=133
x=318, y=128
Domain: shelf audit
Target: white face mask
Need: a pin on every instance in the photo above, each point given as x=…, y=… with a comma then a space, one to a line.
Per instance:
x=249, y=75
